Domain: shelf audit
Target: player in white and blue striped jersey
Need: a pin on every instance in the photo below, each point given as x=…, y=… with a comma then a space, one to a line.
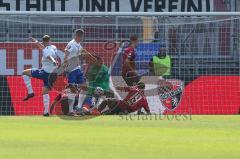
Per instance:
x=49, y=64
x=74, y=59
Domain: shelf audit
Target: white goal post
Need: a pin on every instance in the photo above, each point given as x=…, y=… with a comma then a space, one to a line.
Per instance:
x=203, y=47
x=74, y=14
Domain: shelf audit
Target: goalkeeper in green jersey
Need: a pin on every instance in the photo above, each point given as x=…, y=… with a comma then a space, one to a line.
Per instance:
x=97, y=76
x=98, y=84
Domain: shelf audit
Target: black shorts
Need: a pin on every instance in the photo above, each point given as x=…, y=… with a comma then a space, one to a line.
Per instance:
x=114, y=108
x=115, y=111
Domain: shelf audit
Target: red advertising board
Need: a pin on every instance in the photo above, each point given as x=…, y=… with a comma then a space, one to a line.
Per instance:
x=204, y=95
x=16, y=56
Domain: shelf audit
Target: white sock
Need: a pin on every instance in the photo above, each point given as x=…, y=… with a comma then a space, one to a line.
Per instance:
x=71, y=101
x=99, y=101
x=28, y=84
x=46, y=103
x=81, y=99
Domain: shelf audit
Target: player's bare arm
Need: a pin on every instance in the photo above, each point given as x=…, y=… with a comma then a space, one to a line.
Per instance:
x=65, y=57
x=40, y=45
x=123, y=89
x=86, y=54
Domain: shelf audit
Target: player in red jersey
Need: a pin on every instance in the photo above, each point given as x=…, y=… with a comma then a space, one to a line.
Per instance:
x=128, y=67
x=134, y=101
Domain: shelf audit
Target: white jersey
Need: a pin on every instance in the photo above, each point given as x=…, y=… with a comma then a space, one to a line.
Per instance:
x=74, y=51
x=47, y=65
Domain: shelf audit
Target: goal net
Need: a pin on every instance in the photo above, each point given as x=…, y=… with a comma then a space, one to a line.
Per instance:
x=197, y=55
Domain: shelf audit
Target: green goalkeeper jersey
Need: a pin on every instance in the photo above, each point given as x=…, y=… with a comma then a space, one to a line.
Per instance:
x=98, y=77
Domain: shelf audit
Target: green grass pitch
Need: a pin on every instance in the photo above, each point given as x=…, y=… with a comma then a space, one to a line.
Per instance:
x=115, y=137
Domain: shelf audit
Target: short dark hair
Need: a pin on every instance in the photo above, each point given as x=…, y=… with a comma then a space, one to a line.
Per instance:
x=46, y=38
x=79, y=32
x=133, y=38
x=141, y=85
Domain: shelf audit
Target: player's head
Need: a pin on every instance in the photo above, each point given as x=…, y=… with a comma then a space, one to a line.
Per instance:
x=99, y=61
x=162, y=52
x=46, y=39
x=133, y=41
x=79, y=35
x=141, y=85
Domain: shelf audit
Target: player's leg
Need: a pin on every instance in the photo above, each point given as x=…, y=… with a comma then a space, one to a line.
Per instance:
x=91, y=104
x=103, y=105
x=80, y=79
x=98, y=101
x=71, y=98
x=81, y=98
x=46, y=101
x=109, y=106
x=73, y=91
x=88, y=103
x=48, y=81
x=27, y=81
x=64, y=105
x=55, y=101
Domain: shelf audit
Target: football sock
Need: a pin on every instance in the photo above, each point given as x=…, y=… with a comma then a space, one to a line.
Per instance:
x=71, y=100
x=28, y=84
x=46, y=103
x=81, y=99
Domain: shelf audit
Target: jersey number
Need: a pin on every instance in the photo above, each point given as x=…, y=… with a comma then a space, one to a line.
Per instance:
x=133, y=100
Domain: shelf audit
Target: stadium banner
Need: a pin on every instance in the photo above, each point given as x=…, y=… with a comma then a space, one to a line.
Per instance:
x=109, y=5
x=15, y=57
x=218, y=97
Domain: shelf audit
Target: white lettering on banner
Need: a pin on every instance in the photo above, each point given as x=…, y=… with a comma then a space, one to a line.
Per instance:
x=109, y=5
x=17, y=62
x=3, y=64
x=21, y=62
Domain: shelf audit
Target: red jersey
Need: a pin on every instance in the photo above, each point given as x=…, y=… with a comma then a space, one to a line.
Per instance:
x=134, y=101
x=130, y=54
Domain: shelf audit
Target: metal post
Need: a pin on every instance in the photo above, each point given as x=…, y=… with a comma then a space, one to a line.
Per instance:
x=77, y=14
x=29, y=27
x=7, y=29
x=116, y=29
